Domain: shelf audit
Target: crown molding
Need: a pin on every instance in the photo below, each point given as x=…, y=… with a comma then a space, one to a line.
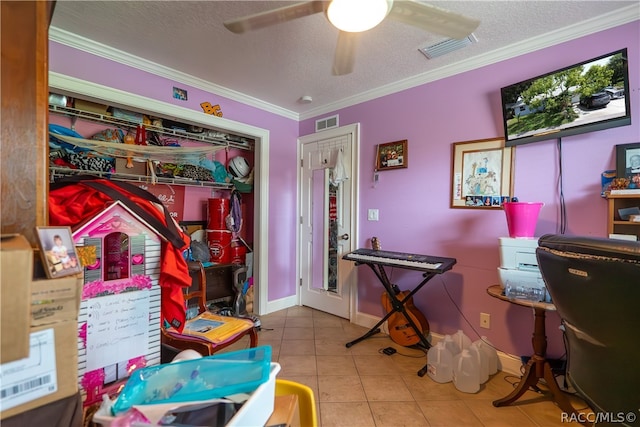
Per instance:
x=581, y=29
x=95, y=48
x=604, y=22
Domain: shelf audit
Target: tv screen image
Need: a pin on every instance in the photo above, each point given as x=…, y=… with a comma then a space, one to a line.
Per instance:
x=588, y=96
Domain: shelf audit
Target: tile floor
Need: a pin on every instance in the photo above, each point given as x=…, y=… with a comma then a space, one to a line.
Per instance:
x=359, y=386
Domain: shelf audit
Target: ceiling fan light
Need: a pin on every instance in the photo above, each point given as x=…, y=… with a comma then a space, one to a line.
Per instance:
x=354, y=16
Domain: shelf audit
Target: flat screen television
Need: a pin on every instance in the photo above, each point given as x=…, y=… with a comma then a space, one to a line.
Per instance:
x=588, y=96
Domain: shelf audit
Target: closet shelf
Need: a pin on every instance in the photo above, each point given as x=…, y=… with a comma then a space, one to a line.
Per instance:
x=57, y=173
x=176, y=133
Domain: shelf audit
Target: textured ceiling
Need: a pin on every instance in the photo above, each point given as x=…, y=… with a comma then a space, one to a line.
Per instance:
x=278, y=65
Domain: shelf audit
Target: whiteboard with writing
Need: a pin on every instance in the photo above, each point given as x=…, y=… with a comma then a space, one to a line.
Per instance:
x=117, y=328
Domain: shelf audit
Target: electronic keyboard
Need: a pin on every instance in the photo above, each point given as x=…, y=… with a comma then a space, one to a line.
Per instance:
x=424, y=263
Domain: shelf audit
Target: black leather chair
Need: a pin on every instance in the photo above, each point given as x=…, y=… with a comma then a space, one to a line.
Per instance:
x=595, y=285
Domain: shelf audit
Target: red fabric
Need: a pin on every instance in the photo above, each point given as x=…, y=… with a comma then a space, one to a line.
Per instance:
x=73, y=204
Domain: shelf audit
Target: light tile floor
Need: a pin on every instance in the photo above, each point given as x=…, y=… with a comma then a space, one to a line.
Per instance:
x=360, y=386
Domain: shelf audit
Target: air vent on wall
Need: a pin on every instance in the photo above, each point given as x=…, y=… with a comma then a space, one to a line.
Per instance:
x=327, y=123
x=447, y=46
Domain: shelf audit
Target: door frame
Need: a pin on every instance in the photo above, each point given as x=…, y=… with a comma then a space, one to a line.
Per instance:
x=354, y=175
x=71, y=85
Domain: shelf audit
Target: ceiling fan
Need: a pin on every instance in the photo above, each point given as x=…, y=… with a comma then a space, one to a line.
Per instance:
x=352, y=17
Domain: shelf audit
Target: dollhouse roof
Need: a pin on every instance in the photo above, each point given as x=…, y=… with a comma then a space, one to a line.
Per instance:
x=116, y=217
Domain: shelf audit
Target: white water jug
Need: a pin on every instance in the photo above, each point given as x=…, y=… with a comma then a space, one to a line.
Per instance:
x=451, y=345
x=483, y=361
x=466, y=372
x=440, y=363
x=461, y=339
x=492, y=355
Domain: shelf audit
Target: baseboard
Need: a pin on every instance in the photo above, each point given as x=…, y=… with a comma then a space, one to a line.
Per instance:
x=507, y=363
x=280, y=304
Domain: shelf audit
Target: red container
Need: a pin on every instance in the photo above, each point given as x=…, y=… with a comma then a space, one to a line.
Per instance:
x=238, y=253
x=219, y=242
x=217, y=211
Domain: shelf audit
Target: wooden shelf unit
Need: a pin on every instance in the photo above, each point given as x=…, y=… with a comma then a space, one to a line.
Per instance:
x=615, y=225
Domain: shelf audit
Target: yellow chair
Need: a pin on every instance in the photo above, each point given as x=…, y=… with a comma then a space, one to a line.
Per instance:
x=306, y=401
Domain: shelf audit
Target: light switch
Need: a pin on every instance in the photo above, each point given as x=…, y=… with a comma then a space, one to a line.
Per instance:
x=372, y=215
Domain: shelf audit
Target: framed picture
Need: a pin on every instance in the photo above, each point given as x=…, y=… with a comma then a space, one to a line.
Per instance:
x=627, y=160
x=481, y=174
x=180, y=94
x=58, y=251
x=392, y=155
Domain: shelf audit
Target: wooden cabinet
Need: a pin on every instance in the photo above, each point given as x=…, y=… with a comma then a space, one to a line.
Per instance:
x=616, y=225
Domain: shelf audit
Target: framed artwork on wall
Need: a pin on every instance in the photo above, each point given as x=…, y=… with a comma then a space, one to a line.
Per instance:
x=482, y=174
x=392, y=155
x=58, y=251
x=627, y=160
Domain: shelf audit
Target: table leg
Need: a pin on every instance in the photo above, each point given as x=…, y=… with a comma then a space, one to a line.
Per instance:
x=537, y=368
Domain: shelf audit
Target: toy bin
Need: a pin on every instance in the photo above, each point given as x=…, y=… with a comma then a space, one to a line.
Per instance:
x=198, y=379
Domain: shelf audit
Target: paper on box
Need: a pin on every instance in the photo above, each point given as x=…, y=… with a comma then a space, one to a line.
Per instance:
x=50, y=372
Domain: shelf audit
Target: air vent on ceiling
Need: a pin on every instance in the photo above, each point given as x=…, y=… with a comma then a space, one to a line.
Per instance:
x=447, y=46
x=327, y=123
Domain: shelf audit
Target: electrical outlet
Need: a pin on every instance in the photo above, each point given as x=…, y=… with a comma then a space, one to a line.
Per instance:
x=485, y=320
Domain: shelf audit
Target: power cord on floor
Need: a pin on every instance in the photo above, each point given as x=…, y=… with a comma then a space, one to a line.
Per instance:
x=389, y=351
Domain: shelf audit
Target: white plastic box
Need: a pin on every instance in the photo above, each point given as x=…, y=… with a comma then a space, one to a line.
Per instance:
x=257, y=410
x=254, y=412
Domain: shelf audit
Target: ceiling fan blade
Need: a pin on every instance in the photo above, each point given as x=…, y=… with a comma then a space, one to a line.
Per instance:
x=345, y=56
x=433, y=19
x=275, y=16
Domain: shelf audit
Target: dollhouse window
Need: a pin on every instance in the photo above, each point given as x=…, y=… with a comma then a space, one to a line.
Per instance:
x=116, y=262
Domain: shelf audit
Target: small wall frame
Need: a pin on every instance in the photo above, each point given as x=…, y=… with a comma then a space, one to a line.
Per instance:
x=392, y=155
x=481, y=174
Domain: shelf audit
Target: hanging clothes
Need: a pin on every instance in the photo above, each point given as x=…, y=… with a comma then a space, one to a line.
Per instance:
x=339, y=172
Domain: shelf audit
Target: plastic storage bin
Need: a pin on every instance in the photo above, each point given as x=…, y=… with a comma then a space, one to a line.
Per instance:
x=257, y=410
x=254, y=412
x=199, y=379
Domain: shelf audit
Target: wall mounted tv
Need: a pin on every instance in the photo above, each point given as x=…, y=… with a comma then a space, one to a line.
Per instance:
x=588, y=96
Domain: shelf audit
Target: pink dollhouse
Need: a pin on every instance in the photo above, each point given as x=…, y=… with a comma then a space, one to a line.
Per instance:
x=119, y=319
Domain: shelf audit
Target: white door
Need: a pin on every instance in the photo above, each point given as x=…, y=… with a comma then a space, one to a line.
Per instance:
x=328, y=210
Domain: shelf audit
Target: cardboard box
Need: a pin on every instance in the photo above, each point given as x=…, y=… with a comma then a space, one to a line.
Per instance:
x=285, y=412
x=92, y=107
x=55, y=300
x=48, y=374
x=16, y=271
x=139, y=168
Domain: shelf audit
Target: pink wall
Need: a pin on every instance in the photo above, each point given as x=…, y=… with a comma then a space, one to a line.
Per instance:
x=283, y=135
x=414, y=203
x=418, y=218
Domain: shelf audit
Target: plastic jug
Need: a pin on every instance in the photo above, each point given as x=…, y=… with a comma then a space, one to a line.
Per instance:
x=466, y=372
x=492, y=355
x=483, y=361
x=440, y=363
x=451, y=345
x=461, y=339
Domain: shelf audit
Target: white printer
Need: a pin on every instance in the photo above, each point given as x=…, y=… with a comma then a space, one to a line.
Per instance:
x=519, y=272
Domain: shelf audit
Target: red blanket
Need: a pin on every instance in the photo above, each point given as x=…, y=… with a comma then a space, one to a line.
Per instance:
x=73, y=204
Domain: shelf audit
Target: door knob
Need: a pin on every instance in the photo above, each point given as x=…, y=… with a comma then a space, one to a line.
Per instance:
x=345, y=236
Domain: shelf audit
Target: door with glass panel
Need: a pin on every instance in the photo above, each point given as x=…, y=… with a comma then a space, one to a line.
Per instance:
x=327, y=207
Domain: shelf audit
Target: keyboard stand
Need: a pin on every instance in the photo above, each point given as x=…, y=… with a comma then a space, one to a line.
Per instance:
x=398, y=307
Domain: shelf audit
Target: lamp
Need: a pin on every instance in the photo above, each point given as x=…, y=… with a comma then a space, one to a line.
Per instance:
x=354, y=16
